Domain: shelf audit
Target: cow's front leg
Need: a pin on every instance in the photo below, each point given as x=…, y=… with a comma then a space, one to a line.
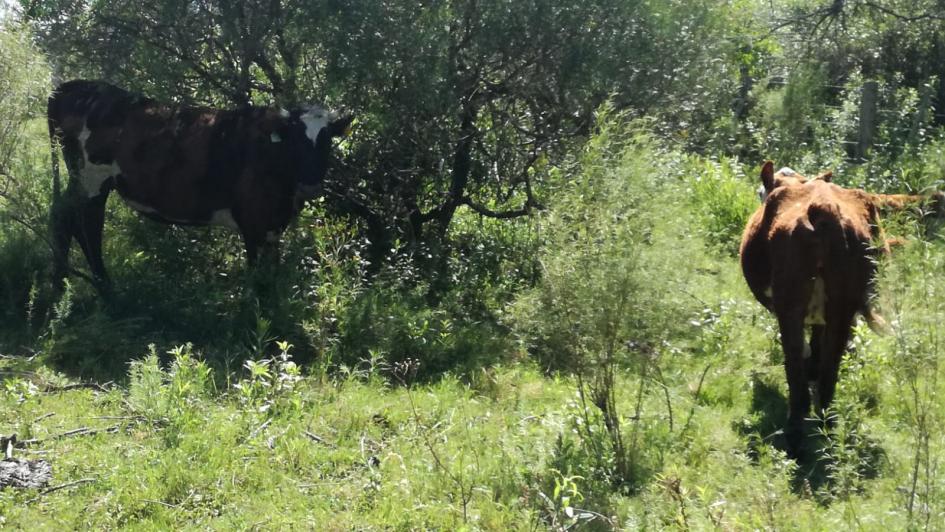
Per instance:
x=261, y=249
x=89, y=234
x=252, y=250
x=269, y=251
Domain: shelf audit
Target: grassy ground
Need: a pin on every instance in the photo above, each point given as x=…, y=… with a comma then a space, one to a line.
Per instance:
x=182, y=447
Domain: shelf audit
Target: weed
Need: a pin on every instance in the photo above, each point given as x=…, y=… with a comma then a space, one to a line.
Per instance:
x=268, y=388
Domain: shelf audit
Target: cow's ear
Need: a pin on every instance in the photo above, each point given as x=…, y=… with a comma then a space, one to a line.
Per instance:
x=340, y=127
x=826, y=176
x=767, y=175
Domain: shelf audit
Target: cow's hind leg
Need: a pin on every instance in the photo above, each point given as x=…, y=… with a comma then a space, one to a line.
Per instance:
x=836, y=336
x=813, y=361
x=62, y=219
x=792, y=341
x=64, y=212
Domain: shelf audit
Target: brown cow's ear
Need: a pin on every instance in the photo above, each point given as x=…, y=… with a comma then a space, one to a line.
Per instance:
x=826, y=176
x=767, y=175
x=341, y=126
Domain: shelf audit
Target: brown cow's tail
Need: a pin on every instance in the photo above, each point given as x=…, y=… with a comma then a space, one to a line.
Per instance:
x=824, y=230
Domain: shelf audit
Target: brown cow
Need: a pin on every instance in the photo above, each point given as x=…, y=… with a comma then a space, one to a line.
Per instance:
x=808, y=255
x=247, y=169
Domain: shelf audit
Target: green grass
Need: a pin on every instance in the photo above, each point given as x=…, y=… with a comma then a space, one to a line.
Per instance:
x=488, y=450
x=207, y=462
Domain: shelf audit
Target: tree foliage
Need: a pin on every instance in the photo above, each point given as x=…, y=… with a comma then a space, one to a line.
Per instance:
x=461, y=103
x=23, y=85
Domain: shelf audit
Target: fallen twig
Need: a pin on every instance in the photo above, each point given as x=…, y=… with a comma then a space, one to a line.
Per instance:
x=44, y=416
x=61, y=487
x=271, y=441
x=120, y=418
x=316, y=438
x=81, y=431
x=162, y=503
x=31, y=374
x=31, y=452
x=77, y=386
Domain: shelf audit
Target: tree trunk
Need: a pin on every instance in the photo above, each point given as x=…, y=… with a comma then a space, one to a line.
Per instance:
x=462, y=166
x=742, y=105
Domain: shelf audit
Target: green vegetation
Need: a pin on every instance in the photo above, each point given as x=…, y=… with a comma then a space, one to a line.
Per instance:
x=517, y=306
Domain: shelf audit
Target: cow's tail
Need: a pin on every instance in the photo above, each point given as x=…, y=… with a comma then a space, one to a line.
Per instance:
x=54, y=142
x=823, y=228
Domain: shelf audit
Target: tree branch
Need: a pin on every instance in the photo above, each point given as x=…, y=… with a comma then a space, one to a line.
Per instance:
x=524, y=210
x=905, y=18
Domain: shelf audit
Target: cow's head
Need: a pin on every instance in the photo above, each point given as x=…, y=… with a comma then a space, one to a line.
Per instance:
x=312, y=130
x=771, y=180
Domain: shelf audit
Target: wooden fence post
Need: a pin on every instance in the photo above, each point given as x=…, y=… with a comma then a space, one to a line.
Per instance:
x=869, y=95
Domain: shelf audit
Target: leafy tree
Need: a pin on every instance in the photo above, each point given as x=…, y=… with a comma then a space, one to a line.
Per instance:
x=462, y=103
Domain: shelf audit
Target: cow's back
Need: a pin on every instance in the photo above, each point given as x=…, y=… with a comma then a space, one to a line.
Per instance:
x=158, y=156
x=810, y=231
x=82, y=104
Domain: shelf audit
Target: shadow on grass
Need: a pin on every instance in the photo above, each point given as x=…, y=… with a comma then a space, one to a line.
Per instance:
x=821, y=455
x=222, y=319
x=97, y=337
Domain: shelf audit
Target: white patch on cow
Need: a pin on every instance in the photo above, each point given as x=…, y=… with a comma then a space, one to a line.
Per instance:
x=140, y=207
x=787, y=171
x=92, y=176
x=274, y=138
x=769, y=292
x=806, y=351
x=315, y=119
x=284, y=114
x=815, y=307
x=224, y=217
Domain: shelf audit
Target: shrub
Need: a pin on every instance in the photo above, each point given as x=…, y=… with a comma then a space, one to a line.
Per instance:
x=24, y=84
x=619, y=255
x=724, y=198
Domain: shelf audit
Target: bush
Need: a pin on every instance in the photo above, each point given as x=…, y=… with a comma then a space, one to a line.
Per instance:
x=619, y=251
x=618, y=260
x=24, y=84
x=724, y=199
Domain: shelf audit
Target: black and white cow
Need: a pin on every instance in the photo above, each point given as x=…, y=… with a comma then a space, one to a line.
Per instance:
x=248, y=169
